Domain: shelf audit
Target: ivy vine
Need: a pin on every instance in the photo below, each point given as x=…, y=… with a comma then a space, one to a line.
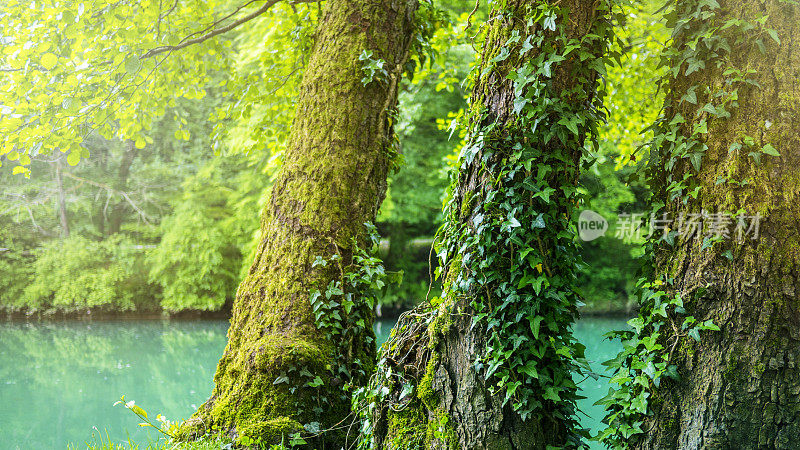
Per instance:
x=703, y=43
x=508, y=250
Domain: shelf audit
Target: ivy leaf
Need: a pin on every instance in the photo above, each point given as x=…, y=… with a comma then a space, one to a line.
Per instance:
x=551, y=394
x=526, y=46
x=639, y=403
x=530, y=370
x=694, y=333
x=408, y=388
x=694, y=66
x=770, y=150
x=774, y=35
x=571, y=124
x=536, y=324
x=312, y=427
x=672, y=372
x=690, y=97
x=696, y=159
x=519, y=104
x=539, y=222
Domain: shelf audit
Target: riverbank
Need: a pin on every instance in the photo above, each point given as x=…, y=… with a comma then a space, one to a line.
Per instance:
x=615, y=308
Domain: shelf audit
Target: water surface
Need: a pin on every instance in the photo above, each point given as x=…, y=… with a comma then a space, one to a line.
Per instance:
x=59, y=380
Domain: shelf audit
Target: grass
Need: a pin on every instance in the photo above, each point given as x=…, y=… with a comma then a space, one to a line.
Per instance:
x=101, y=441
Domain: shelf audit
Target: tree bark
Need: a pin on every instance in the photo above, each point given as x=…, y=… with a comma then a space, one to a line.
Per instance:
x=738, y=387
x=332, y=181
x=440, y=348
x=117, y=215
x=62, y=200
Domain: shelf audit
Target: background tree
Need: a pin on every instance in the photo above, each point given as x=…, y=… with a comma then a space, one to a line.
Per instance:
x=722, y=166
x=489, y=365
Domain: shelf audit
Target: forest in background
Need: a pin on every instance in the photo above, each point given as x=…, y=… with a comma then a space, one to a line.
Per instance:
x=169, y=223
x=344, y=120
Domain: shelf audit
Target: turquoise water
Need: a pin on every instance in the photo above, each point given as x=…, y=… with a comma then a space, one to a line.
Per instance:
x=59, y=380
x=590, y=331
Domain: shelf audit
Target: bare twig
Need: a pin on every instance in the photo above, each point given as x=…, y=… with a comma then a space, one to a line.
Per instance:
x=111, y=190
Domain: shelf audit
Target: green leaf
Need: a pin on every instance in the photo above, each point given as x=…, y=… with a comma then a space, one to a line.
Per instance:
x=690, y=97
x=536, y=323
x=570, y=123
x=73, y=158
x=530, y=370
x=138, y=410
x=774, y=35
x=770, y=150
x=132, y=65
x=696, y=159
x=694, y=333
x=539, y=222
x=49, y=61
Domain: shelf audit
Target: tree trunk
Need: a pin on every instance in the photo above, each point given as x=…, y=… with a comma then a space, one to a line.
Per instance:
x=117, y=215
x=738, y=387
x=508, y=250
x=332, y=181
x=62, y=200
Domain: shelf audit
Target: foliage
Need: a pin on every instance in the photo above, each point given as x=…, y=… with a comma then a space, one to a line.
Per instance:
x=200, y=257
x=77, y=274
x=644, y=361
x=168, y=429
x=634, y=98
x=15, y=263
x=116, y=68
x=507, y=251
x=165, y=426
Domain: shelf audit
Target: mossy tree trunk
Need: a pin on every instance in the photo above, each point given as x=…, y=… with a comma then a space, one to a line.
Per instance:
x=503, y=230
x=278, y=371
x=739, y=387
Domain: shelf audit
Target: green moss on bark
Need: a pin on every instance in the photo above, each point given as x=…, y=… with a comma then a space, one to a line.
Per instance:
x=279, y=371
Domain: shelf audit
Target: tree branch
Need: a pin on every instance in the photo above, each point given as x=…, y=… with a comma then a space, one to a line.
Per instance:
x=186, y=42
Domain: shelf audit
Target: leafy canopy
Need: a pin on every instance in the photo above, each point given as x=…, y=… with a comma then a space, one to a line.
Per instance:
x=68, y=69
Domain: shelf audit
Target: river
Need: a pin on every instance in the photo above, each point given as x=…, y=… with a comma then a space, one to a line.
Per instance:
x=59, y=380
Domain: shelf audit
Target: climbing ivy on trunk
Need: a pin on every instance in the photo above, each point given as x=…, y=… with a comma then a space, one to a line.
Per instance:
x=723, y=161
x=490, y=364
